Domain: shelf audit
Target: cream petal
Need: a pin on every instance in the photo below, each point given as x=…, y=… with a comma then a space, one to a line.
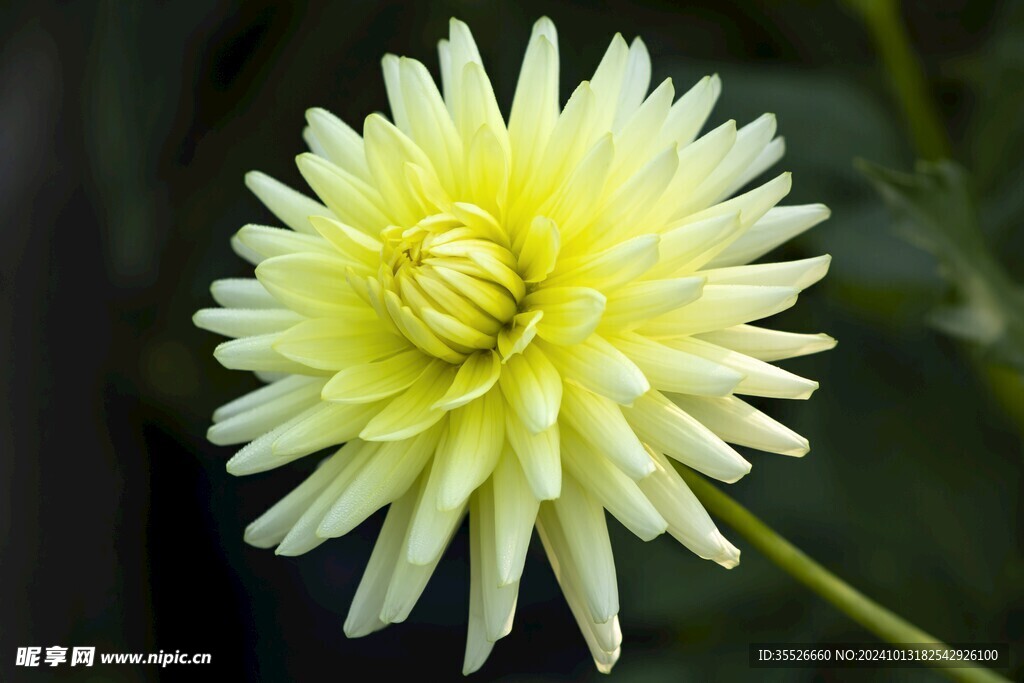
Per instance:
x=672, y=370
x=514, y=339
x=329, y=425
x=585, y=534
x=430, y=124
x=388, y=152
x=268, y=242
x=270, y=528
x=769, y=345
x=314, y=285
x=632, y=203
x=334, y=344
x=478, y=647
x=293, y=208
x=515, y=511
x=722, y=306
x=769, y=156
x=264, y=395
x=258, y=353
x=685, y=249
x=689, y=112
x=632, y=304
x=571, y=206
x=571, y=314
x=600, y=367
x=360, y=250
x=428, y=533
x=381, y=480
x=540, y=248
x=759, y=378
x=412, y=411
x=476, y=434
x=798, y=274
x=535, y=105
x=610, y=268
x=532, y=387
x=688, y=522
x=377, y=380
x=302, y=536
x=740, y=423
x=778, y=225
x=238, y=322
x=619, y=494
x=242, y=293
x=751, y=140
x=350, y=199
x=605, y=430
x=607, y=83
x=364, y=614
x=603, y=639
x=538, y=454
x=474, y=378
x=751, y=205
x=409, y=580
x=667, y=429
x=640, y=131
x=342, y=145
x=499, y=601
x=635, y=83
x=248, y=424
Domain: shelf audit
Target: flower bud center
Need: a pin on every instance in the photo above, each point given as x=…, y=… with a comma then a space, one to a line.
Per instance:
x=450, y=282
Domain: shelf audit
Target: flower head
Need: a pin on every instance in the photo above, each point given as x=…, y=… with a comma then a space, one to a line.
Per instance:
x=521, y=321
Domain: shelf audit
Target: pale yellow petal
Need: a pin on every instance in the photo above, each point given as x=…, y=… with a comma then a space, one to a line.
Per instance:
x=382, y=479
x=293, y=208
x=476, y=434
x=666, y=428
x=412, y=411
x=600, y=367
x=515, y=511
x=474, y=378
x=571, y=314
x=532, y=387
x=539, y=456
x=335, y=344
x=769, y=345
x=604, y=430
x=619, y=494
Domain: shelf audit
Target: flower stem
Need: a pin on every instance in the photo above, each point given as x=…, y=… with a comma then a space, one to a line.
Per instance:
x=890, y=35
x=866, y=612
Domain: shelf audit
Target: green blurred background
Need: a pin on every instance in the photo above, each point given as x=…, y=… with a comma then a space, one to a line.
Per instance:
x=125, y=130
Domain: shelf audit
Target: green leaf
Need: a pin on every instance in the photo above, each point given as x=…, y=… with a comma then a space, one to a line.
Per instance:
x=934, y=210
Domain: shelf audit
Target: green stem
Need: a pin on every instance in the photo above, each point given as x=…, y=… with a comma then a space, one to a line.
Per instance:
x=866, y=612
x=890, y=35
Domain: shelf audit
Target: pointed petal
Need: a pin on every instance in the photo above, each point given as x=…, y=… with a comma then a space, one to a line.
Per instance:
x=667, y=429
x=619, y=494
x=515, y=511
x=293, y=208
x=605, y=430
x=600, y=367
x=532, y=387
x=688, y=522
x=539, y=456
x=412, y=411
x=769, y=345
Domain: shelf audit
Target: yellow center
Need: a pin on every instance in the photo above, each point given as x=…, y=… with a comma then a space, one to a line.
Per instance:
x=451, y=278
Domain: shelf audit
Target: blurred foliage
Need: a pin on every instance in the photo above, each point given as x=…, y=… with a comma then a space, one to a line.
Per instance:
x=934, y=211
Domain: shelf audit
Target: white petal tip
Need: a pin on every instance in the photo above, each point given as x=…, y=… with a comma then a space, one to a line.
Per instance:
x=728, y=555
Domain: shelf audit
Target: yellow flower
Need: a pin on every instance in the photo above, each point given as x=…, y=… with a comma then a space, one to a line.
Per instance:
x=516, y=321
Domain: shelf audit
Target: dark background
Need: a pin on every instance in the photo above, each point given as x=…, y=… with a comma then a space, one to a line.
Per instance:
x=125, y=130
